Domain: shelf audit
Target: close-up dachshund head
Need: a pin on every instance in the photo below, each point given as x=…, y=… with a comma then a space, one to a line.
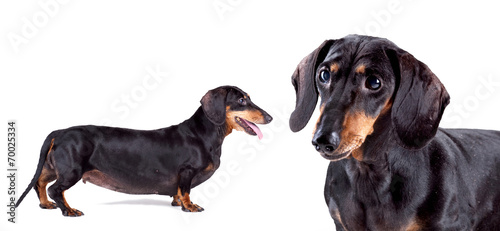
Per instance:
x=232, y=106
x=367, y=85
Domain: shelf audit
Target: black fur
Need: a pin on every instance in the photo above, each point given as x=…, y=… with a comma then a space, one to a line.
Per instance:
x=406, y=174
x=167, y=161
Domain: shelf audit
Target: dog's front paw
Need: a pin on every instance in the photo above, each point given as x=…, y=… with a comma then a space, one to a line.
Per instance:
x=192, y=208
x=72, y=213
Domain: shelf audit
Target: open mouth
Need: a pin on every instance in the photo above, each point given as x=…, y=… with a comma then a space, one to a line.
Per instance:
x=249, y=127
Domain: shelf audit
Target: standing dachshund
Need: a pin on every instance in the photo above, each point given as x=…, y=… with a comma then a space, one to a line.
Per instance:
x=391, y=167
x=168, y=161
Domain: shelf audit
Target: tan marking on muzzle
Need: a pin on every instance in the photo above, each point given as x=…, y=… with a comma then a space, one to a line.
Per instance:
x=254, y=116
x=358, y=153
x=356, y=127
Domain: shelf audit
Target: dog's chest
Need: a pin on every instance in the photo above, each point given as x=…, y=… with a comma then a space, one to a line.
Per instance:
x=206, y=172
x=367, y=202
x=353, y=215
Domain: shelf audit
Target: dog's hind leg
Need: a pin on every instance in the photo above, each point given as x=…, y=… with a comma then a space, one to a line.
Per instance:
x=56, y=192
x=66, y=178
x=47, y=176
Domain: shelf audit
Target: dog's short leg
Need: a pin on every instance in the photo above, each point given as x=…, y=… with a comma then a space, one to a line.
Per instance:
x=185, y=202
x=65, y=181
x=56, y=192
x=47, y=176
x=184, y=188
x=177, y=200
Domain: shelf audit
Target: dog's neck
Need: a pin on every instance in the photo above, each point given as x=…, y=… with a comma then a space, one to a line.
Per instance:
x=201, y=126
x=374, y=149
x=370, y=166
x=383, y=165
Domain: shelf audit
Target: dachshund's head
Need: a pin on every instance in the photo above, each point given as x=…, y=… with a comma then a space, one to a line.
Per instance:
x=362, y=80
x=231, y=106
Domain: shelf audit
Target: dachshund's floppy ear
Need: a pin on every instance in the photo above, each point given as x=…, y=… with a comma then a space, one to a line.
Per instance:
x=420, y=100
x=213, y=105
x=305, y=87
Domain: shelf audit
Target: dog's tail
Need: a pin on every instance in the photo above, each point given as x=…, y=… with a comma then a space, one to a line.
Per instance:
x=46, y=149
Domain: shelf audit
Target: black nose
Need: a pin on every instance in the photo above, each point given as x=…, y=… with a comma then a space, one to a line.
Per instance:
x=268, y=118
x=326, y=143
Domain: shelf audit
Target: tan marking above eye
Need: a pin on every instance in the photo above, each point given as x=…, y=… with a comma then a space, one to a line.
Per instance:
x=360, y=69
x=334, y=67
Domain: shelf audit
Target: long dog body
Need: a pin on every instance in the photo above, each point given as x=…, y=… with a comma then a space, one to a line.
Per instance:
x=168, y=161
x=391, y=167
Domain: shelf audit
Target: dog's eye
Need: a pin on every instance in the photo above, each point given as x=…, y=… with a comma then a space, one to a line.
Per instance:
x=373, y=83
x=242, y=101
x=324, y=76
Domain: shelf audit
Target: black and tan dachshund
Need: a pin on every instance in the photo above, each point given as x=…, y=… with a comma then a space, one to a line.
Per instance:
x=391, y=167
x=168, y=161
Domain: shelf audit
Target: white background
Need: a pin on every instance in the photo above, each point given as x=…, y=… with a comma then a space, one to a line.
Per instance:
x=78, y=61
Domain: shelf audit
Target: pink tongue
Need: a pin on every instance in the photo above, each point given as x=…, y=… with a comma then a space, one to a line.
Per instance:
x=255, y=129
